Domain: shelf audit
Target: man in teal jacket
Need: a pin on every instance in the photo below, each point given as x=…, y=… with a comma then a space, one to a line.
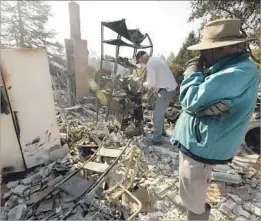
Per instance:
x=218, y=96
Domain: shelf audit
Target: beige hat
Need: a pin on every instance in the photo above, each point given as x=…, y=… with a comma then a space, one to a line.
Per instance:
x=220, y=33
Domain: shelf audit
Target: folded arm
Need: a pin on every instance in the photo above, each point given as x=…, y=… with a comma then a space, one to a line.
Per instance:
x=198, y=92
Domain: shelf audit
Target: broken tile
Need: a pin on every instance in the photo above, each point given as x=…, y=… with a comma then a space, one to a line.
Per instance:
x=226, y=177
x=228, y=189
x=252, y=209
x=247, y=159
x=32, y=179
x=236, y=199
x=35, y=188
x=54, y=181
x=38, y=195
x=76, y=186
x=241, y=212
x=162, y=190
x=241, y=218
x=230, y=205
x=45, y=205
x=45, y=171
x=243, y=192
x=8, y=194
x=254, y=182
x=17, y=212
x=12, y=184
x=227, y=212
x=67, y=198
x=221, y=168
x=59, y=153
x=254, y=217
x=20, y=189
x=67, y=205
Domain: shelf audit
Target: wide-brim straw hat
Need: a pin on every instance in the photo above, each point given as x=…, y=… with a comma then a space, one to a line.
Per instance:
x=220, y=33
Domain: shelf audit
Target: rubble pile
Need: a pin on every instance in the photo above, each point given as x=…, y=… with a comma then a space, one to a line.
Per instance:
x=79, y=113
x=142, y=185
x=234, y=192
x=48, y=193
x=29, y=198
x=61, y=97
x=157, y=183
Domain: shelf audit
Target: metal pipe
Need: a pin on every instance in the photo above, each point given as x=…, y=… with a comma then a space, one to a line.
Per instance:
x=112, y=83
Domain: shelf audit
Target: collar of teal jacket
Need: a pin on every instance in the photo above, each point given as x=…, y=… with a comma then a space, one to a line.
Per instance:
x=228, y=60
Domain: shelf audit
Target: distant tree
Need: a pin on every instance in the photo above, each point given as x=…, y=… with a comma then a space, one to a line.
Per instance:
x=170, y=58
x=23, y=24
x=246, y=10
x=184, y=55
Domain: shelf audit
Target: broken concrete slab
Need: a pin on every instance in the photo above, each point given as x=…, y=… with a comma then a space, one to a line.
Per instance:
x=8, y=194
x=243, y=192
x=67, y=205
x=227, y=178
x=254, y=182
x=17, y=212
x=161, y=191
x=67, y=198
x=226, y=211
x=221, y=168
x=252, y=209
x=35, y=188
x=46, y=171
x=32, y=179
x=241, y=218
x=12, y=184
x=258, y=196
x=59, y=153
x=241, y=212
x=38, y=196
x=54, y=181
x=254, y=217
x=248, y=158
x=230, y=205
x=236, y=199
x=76, y=186
x=45, y=205
x=20, y=190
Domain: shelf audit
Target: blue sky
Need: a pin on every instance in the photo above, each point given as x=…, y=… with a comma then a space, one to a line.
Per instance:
x=164, y=21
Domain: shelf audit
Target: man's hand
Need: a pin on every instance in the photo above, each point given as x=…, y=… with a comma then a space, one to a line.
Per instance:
x=220, y=108
x=194, y=65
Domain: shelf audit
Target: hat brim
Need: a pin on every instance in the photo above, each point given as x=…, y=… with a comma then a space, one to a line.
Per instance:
x=209, y=45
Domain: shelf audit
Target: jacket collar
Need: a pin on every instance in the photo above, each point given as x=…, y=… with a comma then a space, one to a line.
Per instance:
x=228, y=60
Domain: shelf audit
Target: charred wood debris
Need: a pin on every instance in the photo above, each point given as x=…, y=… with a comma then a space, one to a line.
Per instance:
x=107, y=172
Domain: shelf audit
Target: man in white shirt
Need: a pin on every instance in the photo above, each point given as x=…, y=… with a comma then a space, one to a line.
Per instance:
x=159, y=77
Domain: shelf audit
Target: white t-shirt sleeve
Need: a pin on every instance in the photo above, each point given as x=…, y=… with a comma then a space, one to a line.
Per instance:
x=151, y=75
